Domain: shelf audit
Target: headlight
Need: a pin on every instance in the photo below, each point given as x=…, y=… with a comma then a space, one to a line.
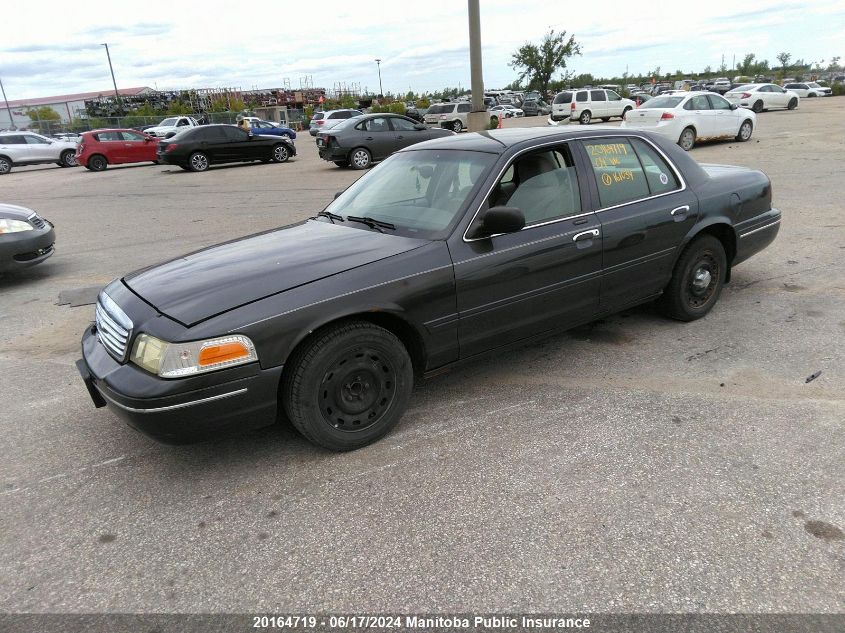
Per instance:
x=172, y=360
x=14, y=226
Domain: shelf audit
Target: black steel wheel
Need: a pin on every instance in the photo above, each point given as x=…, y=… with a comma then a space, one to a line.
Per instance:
x=97, y=163
x=198, y=162
x=696, y=281
x=348, y=386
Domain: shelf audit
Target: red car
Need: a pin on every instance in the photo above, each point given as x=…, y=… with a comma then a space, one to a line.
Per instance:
x=100, y=148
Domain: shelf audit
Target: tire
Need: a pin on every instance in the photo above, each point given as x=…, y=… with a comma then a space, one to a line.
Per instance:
x=745, y=131
x=341, y=163
x=696, y=281
x=97, y=162
x=457, y=126
x=793, y=103
x=625, y=112
x=198, y=162
x=5, y=165
x=280, y=153
x=758, y=106
x=349, y=386
x=687, y=139
x=68, y=158
x=810, y=95
x=360, y=158
x=585, y=118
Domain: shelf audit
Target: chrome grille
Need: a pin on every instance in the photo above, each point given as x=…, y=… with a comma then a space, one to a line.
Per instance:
x=113, y=327
x=36, y=221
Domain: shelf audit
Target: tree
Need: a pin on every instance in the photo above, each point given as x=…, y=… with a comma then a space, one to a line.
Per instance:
x=708, y=71
x=539, y=63
x=746, y=66
x=784, y=58
x=834, y=63
x=44, y=113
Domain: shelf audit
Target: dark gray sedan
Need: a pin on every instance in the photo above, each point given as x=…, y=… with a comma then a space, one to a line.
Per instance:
x=360, y=141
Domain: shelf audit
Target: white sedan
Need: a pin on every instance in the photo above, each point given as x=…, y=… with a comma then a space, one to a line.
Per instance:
x=761, y=97
x=505, y=112
x=692, y=116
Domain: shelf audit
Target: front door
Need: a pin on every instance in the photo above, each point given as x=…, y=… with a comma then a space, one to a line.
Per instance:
x=405, y=133
x=704, y=116
x=39, y=148
x=238, y=145
x=541, y=278
x=725, y=123
x=136, y=148
x=645, y=211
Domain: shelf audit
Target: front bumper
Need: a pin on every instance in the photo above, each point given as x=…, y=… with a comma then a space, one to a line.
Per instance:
x=26, y=248
x=183, y=410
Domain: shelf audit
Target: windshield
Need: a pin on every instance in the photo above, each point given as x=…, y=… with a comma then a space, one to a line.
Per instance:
x=421, y=192
x=813, y=84
x=171, y=121
x=665, y=102
x=563, y=97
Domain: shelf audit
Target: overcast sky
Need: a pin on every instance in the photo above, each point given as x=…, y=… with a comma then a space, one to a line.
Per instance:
x=423, y=45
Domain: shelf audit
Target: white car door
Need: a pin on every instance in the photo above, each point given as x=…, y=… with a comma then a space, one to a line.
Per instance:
x=614, y=104
x=725, y=121
x=38, y=148
x=702, y=116
x=779, y=96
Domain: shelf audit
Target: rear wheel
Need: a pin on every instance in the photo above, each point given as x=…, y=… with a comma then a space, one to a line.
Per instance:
x=68, y=158
x=687, y=139
x=360, y=158
x=585, y=117
x=5, y=165
x=97, y=163
x=349, y=386
x=457, y=126
x=745, y=131
x=793, y=103
x=697, y=280
x=198, y=162
x=758, y=106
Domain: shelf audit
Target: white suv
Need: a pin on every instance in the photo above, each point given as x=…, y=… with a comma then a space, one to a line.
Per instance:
x=598, y=103
x=449, y=115
x=29, y=148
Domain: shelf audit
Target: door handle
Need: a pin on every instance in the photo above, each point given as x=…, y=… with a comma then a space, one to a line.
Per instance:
x=369, y=138
x=680, y=213
x=586, y=235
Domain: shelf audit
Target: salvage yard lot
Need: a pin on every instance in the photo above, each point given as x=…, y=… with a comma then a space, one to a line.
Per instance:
x=635, y=464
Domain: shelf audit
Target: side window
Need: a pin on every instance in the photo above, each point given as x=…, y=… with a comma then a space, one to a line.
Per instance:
x=597, y=95
x=612, y=96
x=234, y=134
x=543, y=185
x=464, y=107
x=659, y=176
x=777, y=89
x=581, y=96
x=764, y=89
x=105, y=137
x=619, y=174
x=700, y=102
x=132, y=136
x=718, y=103
x=378, y=124
x=31, y=139
x=182, y=123
x=402, y=125
x=14, y=139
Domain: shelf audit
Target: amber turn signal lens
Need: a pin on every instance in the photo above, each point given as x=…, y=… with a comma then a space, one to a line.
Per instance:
x=222, y=353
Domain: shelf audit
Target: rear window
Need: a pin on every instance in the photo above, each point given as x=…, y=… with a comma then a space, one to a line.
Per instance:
x=563, y=97
x=745, y=87
x=665, y=102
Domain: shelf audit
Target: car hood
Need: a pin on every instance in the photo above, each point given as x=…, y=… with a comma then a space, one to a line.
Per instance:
x=14, y=212
x=217, y=279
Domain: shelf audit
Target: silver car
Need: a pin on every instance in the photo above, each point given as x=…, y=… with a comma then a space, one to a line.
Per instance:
x=29, y=148
x=452, y=116
x=328, y=119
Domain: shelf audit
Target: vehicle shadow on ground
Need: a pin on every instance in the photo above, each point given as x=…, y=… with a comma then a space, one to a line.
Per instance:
x=11, y=279
x=173, y=169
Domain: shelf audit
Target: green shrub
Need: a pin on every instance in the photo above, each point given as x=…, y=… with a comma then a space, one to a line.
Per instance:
x=838, y=90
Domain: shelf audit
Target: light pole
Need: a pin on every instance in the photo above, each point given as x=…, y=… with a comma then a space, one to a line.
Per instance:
x=380, y=89
x=114, y=83
x=11, y=119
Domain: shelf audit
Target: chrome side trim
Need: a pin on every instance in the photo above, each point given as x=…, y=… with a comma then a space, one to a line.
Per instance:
x=677, y=173
x=760, y=229
x=173, y=407
x=679, y=209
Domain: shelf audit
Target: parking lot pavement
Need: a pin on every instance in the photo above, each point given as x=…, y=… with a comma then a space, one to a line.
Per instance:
x=634, y=464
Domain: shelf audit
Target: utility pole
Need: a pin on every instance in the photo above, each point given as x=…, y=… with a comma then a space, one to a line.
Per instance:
x=11, y=119
x=114, y=83
x=476, y=121
x=380, y=89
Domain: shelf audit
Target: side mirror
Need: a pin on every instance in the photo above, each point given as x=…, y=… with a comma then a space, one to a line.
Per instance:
x=734, y=106
x=337, y=195
x=147, y=139
x=502, y=220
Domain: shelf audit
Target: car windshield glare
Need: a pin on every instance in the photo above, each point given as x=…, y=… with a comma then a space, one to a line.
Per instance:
x=441, y=109
x=420, y=192
x=665, y=102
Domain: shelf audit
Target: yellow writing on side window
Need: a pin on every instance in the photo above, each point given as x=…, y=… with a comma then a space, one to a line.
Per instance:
x=608, y=149
x=622, y=175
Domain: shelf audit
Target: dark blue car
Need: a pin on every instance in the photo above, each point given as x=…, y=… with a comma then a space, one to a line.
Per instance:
x=272, y=129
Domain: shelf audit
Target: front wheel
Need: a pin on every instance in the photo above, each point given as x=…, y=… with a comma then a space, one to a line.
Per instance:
x=457, y=126
x=687, y=139
x=758, y=106
x=198, y=162
x=360, y=158
x=5, y=165
x=280, y=153
x=68, y=158
x=793, y=103
x=349, y=386
x=585, y=117
x=744, y=131
x=697, y=280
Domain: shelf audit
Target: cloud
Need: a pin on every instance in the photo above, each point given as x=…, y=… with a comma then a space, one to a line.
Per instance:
x=142, y=29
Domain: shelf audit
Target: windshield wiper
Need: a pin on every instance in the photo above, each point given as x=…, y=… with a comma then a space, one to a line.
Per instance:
x=331, y=216
x=372, y=223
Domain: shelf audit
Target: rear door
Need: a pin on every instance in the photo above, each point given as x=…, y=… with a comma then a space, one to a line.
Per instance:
x=15, y=147
x=779, y=97
x=645, y=210
x=379, y=137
